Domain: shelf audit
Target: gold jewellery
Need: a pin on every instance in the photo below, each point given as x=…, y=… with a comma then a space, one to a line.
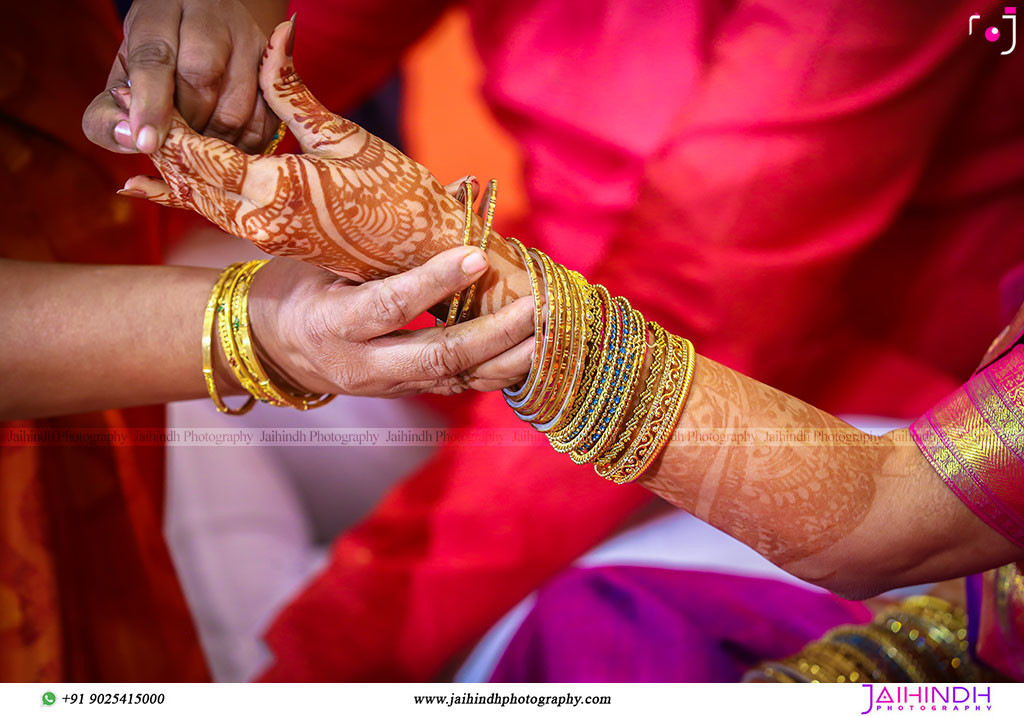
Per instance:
x=282, y=130
x=227, y=315
x=585, y=389
x=455, y=315
x=922, y=639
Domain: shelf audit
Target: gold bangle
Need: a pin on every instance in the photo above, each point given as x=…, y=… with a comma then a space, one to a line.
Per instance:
x=282, y=130
x=516, y=394
x=620, y=393
x=492, y=203
x=607, y=462
x=558, y=326
x=267, y=390
x=539, y=371
x=226, y=327
x=663, y=416
x=575, y=358
x=585, y=416
x=597, y=300
x=467, y=239
x=214, y=306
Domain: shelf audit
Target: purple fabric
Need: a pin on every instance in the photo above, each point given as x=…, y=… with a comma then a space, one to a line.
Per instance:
x=975, y=586
x=641, y=624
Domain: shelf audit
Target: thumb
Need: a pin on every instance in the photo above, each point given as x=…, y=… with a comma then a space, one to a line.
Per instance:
x=317, y=130
x=389, y=304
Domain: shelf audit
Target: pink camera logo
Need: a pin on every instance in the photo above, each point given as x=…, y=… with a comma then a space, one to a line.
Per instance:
x=994, y=34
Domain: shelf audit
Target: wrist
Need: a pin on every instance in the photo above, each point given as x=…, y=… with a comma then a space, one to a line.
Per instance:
x=278, y=347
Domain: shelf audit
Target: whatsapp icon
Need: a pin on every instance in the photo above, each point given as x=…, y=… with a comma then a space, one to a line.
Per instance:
x=49, y=698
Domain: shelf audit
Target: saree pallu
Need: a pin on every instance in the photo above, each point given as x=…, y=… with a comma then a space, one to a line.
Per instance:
x=818, y=194
x=974, y=439
x=87, y=588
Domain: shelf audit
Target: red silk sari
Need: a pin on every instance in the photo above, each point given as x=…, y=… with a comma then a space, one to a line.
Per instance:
x=87, y=589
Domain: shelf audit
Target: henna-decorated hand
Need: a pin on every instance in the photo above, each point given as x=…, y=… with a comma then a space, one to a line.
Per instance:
x=327, y=335
x=202, y=54
x=352, y=203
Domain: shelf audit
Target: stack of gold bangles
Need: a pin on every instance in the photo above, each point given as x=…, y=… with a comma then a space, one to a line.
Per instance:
x=459, y=307
x=227, y=315
x=923, y=639
x=584, y=387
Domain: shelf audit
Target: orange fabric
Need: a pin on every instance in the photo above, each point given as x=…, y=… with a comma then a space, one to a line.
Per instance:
x=87, y=588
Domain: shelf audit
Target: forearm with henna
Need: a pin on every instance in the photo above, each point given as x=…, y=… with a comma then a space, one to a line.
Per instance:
x=356, y=205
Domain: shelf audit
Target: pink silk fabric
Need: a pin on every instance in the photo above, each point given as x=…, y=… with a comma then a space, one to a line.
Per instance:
x=819, y=194
x=974, y=438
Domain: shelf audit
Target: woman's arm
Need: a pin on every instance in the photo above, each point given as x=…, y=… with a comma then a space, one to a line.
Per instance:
x=854, y=513
x=82, y=338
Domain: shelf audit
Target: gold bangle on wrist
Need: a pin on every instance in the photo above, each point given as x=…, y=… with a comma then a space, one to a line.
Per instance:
x=229, y=306
x=214, y=307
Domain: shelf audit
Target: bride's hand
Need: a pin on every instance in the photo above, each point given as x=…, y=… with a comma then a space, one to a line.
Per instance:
x=352, y=203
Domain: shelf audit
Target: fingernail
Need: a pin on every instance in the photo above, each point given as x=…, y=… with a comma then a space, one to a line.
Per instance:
x=474, y=263
x=123, y=134
x=122, y=96
x=146, y=141
x=289, y=44
x=132, y=193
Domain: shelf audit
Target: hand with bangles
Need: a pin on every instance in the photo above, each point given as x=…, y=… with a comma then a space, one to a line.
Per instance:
x=351, y=203
x=825, y=511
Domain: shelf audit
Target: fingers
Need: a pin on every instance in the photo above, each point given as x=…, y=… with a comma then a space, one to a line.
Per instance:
x=457, y=189
x=189, y=157
x=317, y=130
x=220, y=207
x=389, y=304
x=105, y=121
x=153, y=189
x=260, y=129
x=511, y=365
x=106, y=124
x=436, y=359
x=203, y=55
x=150, y=58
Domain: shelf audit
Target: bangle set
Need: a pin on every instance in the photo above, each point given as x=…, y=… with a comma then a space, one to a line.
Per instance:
x=923, y=639
x=584, y=389
x=227, y=316
x=459, y=307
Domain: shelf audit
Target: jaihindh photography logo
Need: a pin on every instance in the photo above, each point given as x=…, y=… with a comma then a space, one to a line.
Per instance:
x=947, y=698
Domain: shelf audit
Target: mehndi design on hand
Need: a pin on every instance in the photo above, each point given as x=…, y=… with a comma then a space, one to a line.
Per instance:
x=352, y=203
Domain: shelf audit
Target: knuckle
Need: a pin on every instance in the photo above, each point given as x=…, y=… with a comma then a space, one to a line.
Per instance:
x=442, y=359
x=199, y=74
x=233, y=114
x=391, y=305
x=152, y=52
x=223, y=125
